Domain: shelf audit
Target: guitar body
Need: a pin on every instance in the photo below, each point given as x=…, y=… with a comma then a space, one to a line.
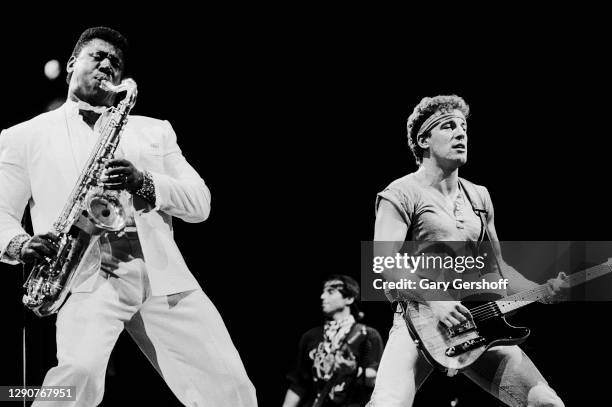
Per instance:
x=459, y=348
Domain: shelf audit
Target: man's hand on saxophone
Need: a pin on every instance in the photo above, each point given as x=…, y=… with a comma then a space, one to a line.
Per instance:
x=38, y=247
x=120, y=173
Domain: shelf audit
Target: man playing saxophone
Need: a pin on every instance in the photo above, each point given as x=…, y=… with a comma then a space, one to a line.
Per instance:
x=135, y=278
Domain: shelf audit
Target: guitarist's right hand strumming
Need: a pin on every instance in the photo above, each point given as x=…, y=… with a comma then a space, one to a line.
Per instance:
x=450, y=313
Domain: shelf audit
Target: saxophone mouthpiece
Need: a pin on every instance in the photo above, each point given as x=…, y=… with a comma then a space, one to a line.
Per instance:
x=125, y=85
x=107, y=86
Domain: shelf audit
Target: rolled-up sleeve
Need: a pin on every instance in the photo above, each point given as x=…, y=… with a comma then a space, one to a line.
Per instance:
x=399, y=200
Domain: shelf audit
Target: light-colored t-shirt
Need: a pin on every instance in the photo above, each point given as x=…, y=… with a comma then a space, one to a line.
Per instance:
x=428, y=215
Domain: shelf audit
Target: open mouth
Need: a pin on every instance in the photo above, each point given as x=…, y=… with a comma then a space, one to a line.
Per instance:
x=459, y=146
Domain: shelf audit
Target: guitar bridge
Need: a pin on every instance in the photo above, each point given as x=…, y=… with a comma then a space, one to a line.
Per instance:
x=459, y=329
x=465, y=346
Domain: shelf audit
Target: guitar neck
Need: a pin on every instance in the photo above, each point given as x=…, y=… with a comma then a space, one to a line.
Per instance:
x=540, y=292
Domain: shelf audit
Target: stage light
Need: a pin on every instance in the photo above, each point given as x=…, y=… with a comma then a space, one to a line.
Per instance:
x=52, y=69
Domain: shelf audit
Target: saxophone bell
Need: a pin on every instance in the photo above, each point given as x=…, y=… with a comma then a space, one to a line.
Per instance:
x=105, y=210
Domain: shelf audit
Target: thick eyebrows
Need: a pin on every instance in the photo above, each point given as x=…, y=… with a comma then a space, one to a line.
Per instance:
x=113, y=56
x=454, y=120
x=448, y=121
x=459, y=121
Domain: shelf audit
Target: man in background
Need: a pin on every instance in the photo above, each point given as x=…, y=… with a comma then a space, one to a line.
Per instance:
x=337, y=362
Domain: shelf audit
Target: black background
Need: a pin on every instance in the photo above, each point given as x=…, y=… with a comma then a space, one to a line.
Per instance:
x=296, y=123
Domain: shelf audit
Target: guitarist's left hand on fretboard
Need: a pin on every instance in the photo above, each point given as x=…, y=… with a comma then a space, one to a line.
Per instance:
x=557, y=287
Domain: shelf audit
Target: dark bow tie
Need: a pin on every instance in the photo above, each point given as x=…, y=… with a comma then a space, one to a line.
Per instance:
x=90, y=113
x=90, y=117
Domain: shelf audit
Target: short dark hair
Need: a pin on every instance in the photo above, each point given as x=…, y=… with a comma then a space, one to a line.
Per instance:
x=350, y=287
x=107, y=34
x=426, y=107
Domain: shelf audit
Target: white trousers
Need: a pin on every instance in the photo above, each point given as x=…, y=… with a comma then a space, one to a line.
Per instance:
x=182, y=335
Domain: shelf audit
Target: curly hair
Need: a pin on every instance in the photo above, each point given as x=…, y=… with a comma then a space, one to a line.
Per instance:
x=426, y=107
x=113, y=37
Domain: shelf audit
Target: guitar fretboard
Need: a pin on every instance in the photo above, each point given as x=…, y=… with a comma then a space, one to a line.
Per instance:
x=540, y=292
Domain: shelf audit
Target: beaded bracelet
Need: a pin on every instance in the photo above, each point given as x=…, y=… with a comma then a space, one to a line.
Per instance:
x=15, y=246
x=147, y=189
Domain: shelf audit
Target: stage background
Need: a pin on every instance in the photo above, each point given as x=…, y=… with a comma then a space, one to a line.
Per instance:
x=295, y=124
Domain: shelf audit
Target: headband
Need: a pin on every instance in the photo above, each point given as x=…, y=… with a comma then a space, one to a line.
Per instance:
x=433, y=120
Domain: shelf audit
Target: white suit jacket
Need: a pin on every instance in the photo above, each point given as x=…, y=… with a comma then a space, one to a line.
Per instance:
x=37, y=167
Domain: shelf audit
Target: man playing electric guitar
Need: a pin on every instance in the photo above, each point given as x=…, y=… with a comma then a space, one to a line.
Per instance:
x=434, y=205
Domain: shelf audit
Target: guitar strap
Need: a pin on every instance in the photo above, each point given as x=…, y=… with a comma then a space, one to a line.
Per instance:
x=356, y=327
x=470, y=192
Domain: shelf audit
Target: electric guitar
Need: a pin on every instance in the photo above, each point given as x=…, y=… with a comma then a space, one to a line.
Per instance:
x=460, y=346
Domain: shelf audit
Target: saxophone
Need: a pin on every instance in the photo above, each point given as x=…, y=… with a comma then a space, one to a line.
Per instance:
x=90, y=212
